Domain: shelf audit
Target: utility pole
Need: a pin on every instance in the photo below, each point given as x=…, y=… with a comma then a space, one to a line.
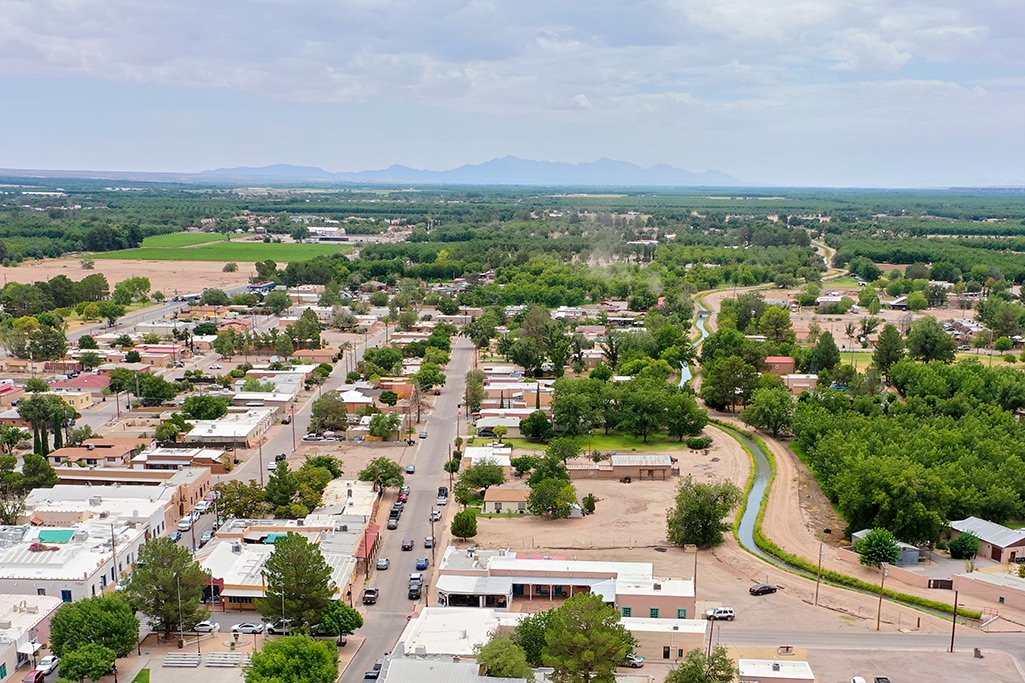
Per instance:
x=818, y=579
x=882, y=582
x=262, y=483
x=953, y=625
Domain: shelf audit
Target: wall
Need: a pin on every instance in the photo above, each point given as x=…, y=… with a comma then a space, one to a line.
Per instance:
x=667, y=605
x=968, y=585
x=898, y=573
x=651, y=644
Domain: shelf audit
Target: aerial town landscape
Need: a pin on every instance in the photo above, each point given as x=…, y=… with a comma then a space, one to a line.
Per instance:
x=515, y=421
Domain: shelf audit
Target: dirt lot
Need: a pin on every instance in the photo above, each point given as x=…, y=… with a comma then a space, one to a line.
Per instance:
x=838, y=666
x=169, y=277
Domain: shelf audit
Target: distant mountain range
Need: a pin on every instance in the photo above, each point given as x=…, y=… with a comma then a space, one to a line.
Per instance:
x=508, y=170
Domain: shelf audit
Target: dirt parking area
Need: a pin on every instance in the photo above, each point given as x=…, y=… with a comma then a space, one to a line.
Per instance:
x=169, y=277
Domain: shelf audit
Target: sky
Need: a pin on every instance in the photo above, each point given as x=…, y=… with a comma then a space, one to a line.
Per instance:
x=876, y=93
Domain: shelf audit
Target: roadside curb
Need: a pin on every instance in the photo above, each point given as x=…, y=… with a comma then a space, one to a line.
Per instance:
x=359, y=644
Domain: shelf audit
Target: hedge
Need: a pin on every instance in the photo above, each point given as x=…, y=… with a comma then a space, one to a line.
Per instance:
x=798, y=562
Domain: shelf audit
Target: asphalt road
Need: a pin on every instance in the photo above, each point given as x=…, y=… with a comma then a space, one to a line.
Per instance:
x=385, y=621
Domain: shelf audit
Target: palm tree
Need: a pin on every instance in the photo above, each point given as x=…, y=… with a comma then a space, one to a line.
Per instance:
x=849, y=330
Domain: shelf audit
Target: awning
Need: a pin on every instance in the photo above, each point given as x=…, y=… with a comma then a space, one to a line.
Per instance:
x=272, y=538
x=29, y=648
x=56, y=535
x=242, y=593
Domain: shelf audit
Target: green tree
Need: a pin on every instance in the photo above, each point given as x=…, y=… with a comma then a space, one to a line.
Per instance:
x=205, y=407
x=500, y=432
x=726, y=381
x=90, y=360
x=87, y=341
x=562, y=449
x=684, y=417
x=483, y=475
x=964, y=547
x=771, y=408
x=384, y=473
x=215, y=297
x=917, y=301
x=573, y=412
x=697, y=517
x=586, y=641
x=878, y=547
x=92, y=661
x=503, y=658
x=244, y=501
x=327, y=462
x=341, y=620
x=464, y=524
x=552, y=498
x=34, y=385
x=388, y=397
x=329, y=413
x=698, y=667
x=385, y=425
x=298, y=584
x=536, y=427
x=282, y=486
x=167, y=586
x=825, y=355
x=110, y=311
x=643, y=409
x=107, y=620
x=889, y=349
x=927, y=340
x=278, y=302
x=776, y=326
x=283, y=346
x=531, y=635
x=226, y=343
x=294, y=659
x=429, y=376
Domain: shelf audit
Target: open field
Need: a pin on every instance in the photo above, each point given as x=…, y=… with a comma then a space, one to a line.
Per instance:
x=181, y=239
x=227, y=251
x=169, y=277
x=617, y=443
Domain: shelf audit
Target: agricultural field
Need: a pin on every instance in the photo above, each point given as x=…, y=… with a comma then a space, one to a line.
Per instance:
x=226, y=251
x=181, y=239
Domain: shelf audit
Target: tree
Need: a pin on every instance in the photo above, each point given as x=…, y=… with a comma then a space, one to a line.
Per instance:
x=215, y=297
x=536, y=427
x=684, y=417
x=384, y=473
x=278, y=302
x=384, y=425
x=92, y=661
x=429, y=376
x=573, y=411
x=464, y=524
x=107, y=620
x=928, y=341
x=341, y=620
x=877, y=548
x=728, y=380
x=697, y=517
x=87, y=341
x=483, y=475
x=294, y=659
x=329, y=413
x=585, y=641
x=771, y=408
x=552, y=498
x=205, y=407
x=90, y=360
x=298, y=583
x=503, y=658
x=328, y=462
x=110, y=311
x=166, y=572
x=244, y=501
x=11, y=436
x=525, y=353
x=34, y=385
x=964, y=547
x=776, y=326
x=500, y=432
x=643, y=409
x=1003, y=344
x=388, y=397
x=548, y=467
x=282, y=486
x=825, y=355
x=698, y=667
x=917, y=301
x=531, y=635
x=889, y=349
x=37, y=472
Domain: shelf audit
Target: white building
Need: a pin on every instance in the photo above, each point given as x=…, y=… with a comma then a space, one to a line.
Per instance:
x=24, y=626
x=780, y=671
x=242, y=428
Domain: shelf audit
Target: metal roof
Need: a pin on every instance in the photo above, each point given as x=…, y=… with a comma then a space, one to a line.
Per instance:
x=989, y=532
x=641, y=461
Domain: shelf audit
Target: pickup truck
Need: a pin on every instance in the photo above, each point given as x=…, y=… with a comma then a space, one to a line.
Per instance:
x=370, y=596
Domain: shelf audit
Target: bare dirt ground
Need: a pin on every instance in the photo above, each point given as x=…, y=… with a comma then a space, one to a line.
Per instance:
x=836, y=666
x=169, y=277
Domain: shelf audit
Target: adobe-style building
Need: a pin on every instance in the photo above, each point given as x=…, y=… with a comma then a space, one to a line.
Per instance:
x=780, y=365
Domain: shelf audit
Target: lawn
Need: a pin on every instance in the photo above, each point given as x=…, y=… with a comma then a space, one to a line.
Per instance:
x=617, y=443
x=143, y=677
x=228, y=251
x=181, y=239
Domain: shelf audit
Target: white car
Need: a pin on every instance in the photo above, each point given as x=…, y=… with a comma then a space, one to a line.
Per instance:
x=215, y=366
x=248, y=627
x=442, y=500
x=272, y=465
x=203, y=505
x=48, y=664
x=207, y=627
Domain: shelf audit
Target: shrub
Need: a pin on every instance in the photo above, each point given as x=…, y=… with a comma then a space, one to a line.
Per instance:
x=699, y=442
x=964, y=547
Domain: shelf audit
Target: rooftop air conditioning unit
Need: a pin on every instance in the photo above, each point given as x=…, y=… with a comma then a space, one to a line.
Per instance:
x=300, y=522
x=104, y=514
x=90, y=447
x=236, y=548
x=775, y=666
x=657, y=586
x=6, y=623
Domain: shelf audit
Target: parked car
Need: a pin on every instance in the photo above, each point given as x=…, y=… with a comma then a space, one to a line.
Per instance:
x=279, y=457
x=313, y=437
x=634, y=661
x=185, y=524
x=383, y=563
x=422, y=563
x=399, y=505
x=404, y=490
x=34, y=676
x=248, y=627
x=415, y=591
x=393, y=523
x=287, y=419
x=216, y=366
x=272, y=465
x=442, y=492
x=279, y=629
x=407, y=544
x=175, y=535
x=442, y=500
x=207, y=627
x=48, y=664
x=761, y=589
x=428, y=541
x=206, y=538
x=423, y=435
x=857, y=679
x=882, y=679
x=203, y=505
x=435, y=515
x=410, y=468
x=720, y=614
x=403, y=497
x=374, y=673
x=370, y=596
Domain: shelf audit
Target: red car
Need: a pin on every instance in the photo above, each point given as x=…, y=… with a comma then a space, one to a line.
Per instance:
x=34, y=677
x=403, y=497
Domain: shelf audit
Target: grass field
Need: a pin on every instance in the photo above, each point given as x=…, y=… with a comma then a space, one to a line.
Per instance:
x=181, y=239
x=226, y=251
x=617, y=443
